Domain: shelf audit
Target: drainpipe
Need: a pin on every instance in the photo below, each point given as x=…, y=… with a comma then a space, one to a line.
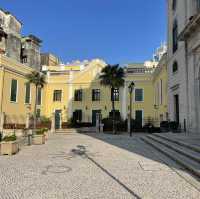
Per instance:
x=2, y=95
x=187, y=83
x=2, y=90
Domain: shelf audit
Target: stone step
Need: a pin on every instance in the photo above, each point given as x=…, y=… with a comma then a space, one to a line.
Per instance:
x=178, y=148
x=189, y=164
x=66, y=131
x=189, y=146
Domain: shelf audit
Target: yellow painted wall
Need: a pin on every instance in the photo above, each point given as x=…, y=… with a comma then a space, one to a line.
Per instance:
x=15, y=111
x=70, y=80
x=161, y=104
x=142, y=81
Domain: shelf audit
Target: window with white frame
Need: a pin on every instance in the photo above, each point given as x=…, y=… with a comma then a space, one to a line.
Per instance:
x=139, y=94
x=57, y=95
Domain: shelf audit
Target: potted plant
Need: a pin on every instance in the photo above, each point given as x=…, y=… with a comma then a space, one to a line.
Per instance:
x=9, y=145
x=164, y=126
x=174, y=126
x=39, y=137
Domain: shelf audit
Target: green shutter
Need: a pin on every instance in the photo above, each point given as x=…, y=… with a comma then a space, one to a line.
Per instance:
x=28, y=93
x=13, y=95
x=39, y=96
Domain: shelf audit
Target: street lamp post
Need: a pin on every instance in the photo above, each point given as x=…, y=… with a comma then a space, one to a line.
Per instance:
x=131, y=88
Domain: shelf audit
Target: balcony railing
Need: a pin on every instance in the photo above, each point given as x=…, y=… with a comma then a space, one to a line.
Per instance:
x=140, y=70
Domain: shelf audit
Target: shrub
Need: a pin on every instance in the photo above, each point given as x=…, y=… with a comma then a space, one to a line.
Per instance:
x=40, y=132
x=135, y=125
x=173, y=126
x=44, y=119
x=108, y=124
x=121, y=125
x=164, y=124
x=148, y=127
x=10, y=138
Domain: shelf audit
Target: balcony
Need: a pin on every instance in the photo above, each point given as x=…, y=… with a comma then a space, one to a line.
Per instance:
x=140, y=70
x=191, y=27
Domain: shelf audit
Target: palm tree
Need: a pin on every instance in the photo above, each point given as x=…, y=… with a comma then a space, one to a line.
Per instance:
x=38, y=79
x=112, y=76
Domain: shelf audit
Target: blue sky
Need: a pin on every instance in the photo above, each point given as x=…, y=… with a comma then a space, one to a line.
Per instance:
x=118, y=31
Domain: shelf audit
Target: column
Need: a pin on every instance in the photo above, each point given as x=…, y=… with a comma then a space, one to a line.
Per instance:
x=124, y=102
x=2, y=117
x=128, y=123
x=27, y=120
x=97, y=122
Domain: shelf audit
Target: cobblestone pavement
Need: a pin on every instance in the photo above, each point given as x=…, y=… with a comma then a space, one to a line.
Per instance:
x=77, y=166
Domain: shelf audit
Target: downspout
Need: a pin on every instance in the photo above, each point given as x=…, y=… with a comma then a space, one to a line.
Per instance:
x=2, y=93
x=187, y=83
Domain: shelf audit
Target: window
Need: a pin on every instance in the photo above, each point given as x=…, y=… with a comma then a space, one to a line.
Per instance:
x=28, y=93
x=161, y=92
x=96, y=95
x=139, y=95
x=175, y=36
x=77, y=115
x=57, y=95
x=78, y=95
x=198, y=4
x=174, y=2
x=14, y=88
x=39, y=97
x=175, y=67
x=24, y=60
x=115, y=94
x=38, y=113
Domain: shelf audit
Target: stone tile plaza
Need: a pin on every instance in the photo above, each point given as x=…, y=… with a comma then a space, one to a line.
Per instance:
x=80, y=167
x=89, y=129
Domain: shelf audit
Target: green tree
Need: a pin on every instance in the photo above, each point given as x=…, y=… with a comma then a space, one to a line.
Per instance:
x=112, y=76
x=38, y=79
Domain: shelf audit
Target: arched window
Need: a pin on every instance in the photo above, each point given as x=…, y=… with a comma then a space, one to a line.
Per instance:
x=175, y=67
x=175, y=36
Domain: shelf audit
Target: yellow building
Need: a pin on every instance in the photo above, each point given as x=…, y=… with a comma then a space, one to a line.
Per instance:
x=74, y=90
x=17, y=97
x=160, y=84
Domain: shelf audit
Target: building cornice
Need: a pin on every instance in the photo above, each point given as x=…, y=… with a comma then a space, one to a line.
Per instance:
x=190, y=28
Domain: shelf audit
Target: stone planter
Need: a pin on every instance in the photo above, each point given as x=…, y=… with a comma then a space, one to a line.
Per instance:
x=38, y=139
x=9, y=148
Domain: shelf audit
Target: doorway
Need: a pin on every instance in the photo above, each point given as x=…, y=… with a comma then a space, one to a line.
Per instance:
x=176, y=106
x=57, y=119
x=139, y=117
x=94, y=116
